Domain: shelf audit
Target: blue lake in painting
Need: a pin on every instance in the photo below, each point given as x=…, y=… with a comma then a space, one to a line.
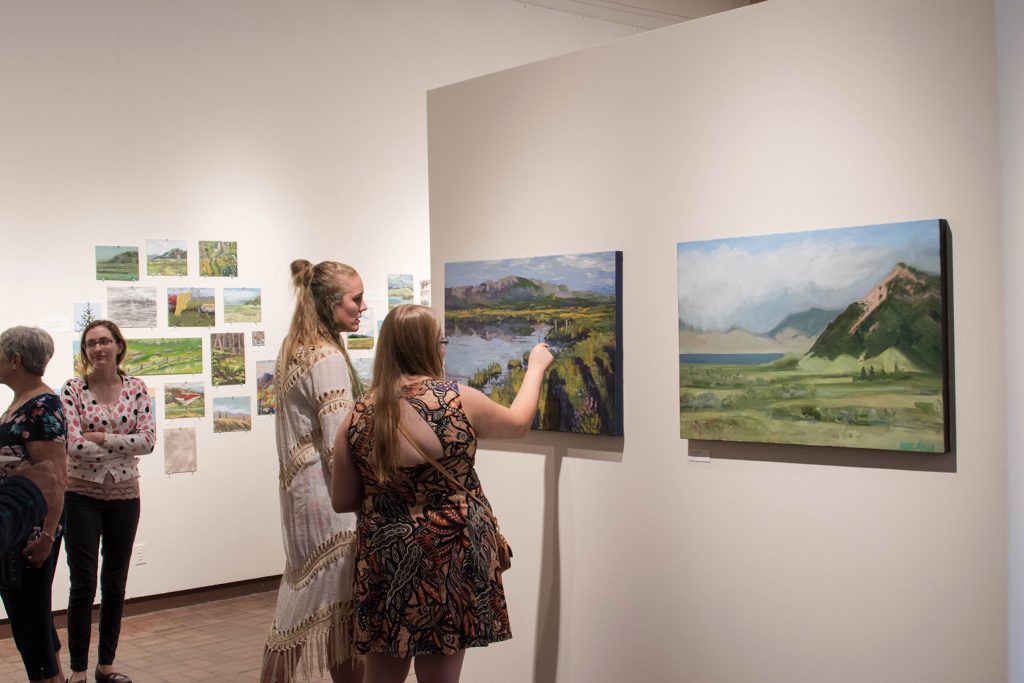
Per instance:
x=729, y=358
x=468, y=354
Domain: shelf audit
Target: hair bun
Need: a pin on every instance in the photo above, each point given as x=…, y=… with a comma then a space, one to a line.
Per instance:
x=302, y=272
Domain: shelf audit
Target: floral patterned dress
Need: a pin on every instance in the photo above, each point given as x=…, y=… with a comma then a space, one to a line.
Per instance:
x=41, y=418
x=427, y=578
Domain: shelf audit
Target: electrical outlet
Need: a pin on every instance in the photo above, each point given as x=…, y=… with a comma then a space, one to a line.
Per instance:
x=140, y=553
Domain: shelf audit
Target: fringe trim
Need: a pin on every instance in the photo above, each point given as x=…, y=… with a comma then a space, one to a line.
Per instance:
x=341, y=544
x=323, y=640
x=333, y=401
x=301, y=362
x=297, y=457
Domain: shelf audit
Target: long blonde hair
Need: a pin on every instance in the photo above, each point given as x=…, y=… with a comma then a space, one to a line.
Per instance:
x=408, y=345
x=317, y=289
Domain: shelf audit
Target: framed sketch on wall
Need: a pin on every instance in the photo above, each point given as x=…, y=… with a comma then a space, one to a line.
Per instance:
x=496, y=311
x=827, y=338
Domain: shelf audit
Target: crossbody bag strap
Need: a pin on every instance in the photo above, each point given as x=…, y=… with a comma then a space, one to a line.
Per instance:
x=438, y=466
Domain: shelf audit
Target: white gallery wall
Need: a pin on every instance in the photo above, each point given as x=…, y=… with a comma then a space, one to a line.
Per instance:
x=295, y=129
x=774, y=564
x=1009, y=28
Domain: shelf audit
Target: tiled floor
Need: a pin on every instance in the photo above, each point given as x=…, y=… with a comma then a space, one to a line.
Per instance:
x=213, y=641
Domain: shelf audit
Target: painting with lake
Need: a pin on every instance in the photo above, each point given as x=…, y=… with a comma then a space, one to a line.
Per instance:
x=163, y=356
x=496, y=311
x=132, y=306
x=825, y=338
x=399, y=289
x=117, y=263
x=166, y=257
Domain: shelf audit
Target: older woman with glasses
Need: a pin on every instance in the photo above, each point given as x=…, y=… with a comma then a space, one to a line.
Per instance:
x=109, y=426
x=32, y=430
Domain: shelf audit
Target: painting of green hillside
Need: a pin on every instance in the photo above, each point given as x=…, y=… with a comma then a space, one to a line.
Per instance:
x=825, y=338
x=117, y=263
x=163, y=356
x=496, y=311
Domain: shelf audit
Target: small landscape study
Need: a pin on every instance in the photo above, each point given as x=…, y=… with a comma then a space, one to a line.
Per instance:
x=825, y=338
x=117, y=263
x=166, y=257
x=164, y=356
x=496, y=311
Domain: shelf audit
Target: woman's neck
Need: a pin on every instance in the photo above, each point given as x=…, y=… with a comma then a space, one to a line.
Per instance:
x=103, y=378
x=24, y=388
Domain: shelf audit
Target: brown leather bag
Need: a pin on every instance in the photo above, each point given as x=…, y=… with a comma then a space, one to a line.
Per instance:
x=504, y=548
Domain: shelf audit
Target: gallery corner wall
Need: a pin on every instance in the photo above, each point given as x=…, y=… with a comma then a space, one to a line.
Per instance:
x=633, y=563
x=295, y=129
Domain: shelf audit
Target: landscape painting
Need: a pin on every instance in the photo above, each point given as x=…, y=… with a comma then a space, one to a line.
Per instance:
x=364, y=369
x=227, y=358
x=218, y=259
x=232, y=414
x=132, y=306
x=496, y=311
x=179, y=450
x=825, y=338
x=117, y=263
x=166, y=356
x=76, y=357
x=399, y=289
x=166, y=257
x=242, y=305
x=86, y=312
x=265, y=401
x=190, y=307
x=363, y=337
x=184, y=399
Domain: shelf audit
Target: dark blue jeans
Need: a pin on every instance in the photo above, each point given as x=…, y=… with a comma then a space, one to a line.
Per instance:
x=89, y=521
x=31, y=616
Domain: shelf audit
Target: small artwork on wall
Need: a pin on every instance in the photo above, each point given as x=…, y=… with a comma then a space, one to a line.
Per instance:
x=363, y=337
x=164, y=356
x=232, y=414
x=76, y=357
x=191, y=307
x=86, y=312
x=265, y=400
x=180, y=450
x=496, y=311
x=184, y=399
x=166, y=257
x=364, y=369
x=218, y=259
x=824, y=338
x=425, y=292
x=227, y=358
x=399, y=289
x=242, y=305
x=259, y=338
x=132, y=306
x=117, y=263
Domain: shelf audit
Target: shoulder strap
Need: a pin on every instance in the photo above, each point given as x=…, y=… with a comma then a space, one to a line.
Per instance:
x=438, y=466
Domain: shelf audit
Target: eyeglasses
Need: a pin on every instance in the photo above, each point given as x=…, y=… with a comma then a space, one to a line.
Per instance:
x=443, y=341
x=104, y=342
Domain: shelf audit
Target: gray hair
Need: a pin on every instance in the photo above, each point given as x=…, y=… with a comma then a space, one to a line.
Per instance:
x=33, y=344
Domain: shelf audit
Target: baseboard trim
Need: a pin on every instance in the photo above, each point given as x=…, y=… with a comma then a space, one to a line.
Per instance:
x=185, y=598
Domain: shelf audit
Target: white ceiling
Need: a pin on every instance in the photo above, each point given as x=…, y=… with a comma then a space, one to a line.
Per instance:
x=646, y=14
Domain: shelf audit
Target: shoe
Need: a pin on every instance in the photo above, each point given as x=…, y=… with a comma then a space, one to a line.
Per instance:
x=111, y=677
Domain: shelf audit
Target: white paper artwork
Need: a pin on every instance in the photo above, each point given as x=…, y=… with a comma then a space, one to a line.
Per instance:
x=132, y=306
x=179, y=450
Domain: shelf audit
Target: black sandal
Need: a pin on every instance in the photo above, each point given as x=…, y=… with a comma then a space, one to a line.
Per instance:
x=111, y=677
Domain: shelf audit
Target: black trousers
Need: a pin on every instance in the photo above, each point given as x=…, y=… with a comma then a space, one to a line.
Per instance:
x=31, y=616
x=89, y=521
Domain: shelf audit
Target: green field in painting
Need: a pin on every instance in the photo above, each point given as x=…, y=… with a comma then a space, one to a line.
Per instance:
x=164, y=356
x=232, y=424
x=359, y=341
x=834, y=405
x=117, y=270
x=242, y=313
x=166, y=267
x=174, y=410
x=578, y=395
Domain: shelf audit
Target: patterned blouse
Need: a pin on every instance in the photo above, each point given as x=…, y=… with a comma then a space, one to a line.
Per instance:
x=38, y=419
x=128, y=424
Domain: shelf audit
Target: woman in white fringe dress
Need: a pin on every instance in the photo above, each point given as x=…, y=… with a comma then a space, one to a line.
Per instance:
x=314, y=385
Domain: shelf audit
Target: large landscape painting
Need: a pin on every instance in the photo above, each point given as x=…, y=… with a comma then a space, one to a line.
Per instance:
x=496, y=311
x=829, y=338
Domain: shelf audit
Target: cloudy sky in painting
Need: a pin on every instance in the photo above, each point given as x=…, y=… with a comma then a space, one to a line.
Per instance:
x=755, y=282
x=579, y=272
x=161, y=247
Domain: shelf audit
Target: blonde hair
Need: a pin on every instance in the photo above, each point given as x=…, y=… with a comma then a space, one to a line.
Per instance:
x=317, y=289
x=408, y=345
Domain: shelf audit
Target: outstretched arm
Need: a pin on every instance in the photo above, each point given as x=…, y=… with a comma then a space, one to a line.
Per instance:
x=495, y=421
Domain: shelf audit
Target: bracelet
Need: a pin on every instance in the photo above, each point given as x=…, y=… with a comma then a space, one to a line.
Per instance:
x=44, y=532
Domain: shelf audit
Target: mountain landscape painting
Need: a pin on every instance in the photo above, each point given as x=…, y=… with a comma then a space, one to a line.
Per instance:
x=496, y=311
x=166, y=257
x=826, y=338
x=117, y=263
x=242, y=305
